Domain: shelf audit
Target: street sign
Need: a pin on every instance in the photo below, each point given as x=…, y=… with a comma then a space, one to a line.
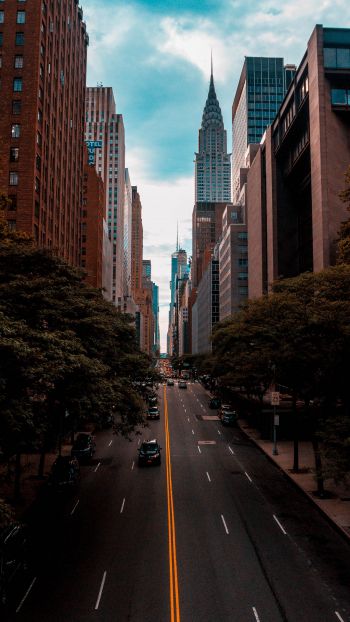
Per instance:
x=275, y=398
x=276, y=420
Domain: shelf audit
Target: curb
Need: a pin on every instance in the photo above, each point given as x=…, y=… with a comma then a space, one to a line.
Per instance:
x=325, y=514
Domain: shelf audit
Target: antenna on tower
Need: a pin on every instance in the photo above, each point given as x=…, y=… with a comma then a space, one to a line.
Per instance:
x=177, y=236
x=211, y=62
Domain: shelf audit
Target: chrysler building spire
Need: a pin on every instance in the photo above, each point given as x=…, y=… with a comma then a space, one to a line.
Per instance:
x=212, y=164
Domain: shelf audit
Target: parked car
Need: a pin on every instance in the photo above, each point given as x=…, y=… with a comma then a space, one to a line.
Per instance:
x=153, y=412
x=182, y=384
x=83, y=447
x=227, y=414
x=214, y=402
x=229, y=417
x=170, y=382
x=65, y=473
x=149, y=453
x=14, y=556
x=152, y=401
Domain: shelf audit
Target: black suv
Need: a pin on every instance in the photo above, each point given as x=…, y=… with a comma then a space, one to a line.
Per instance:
x=149, y=453
x=83, y=447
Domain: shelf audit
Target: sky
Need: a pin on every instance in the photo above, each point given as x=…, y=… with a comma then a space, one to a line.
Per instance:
x=156, y=56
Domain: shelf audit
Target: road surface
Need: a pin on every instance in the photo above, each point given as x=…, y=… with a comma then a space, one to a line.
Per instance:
x=215, y=534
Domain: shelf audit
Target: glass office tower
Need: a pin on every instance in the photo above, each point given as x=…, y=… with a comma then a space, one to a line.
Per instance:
x=260, y=92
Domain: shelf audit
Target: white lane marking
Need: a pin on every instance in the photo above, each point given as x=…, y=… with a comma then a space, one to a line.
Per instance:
x=25, y=595
x=101, y=590
x=224, y=523
x=231, y=450
x=138, y=442
x=279, y=524
x=199, y=449
x=122, y=508
x=75, y=507
x=192, y=431
x=97, y=467
x=188, y=419
x=256, y=615
x=110, y=443
x=219, y=432
x=208, y=476
x=339, y=616
x=248, y=476
x=132, y=466
x=185, y=410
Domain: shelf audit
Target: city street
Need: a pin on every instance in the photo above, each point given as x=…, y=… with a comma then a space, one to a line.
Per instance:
x=216, y=533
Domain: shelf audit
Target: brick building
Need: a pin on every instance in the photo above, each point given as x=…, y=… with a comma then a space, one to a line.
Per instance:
x=136, y=242
x=293, y=207
x=43, y=46
x=206, y=230
x=92, y=232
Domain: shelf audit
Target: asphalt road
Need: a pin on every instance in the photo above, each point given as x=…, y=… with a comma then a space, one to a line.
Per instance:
x=216, y=533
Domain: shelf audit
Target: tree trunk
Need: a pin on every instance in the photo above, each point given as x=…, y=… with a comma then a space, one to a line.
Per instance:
x=295, y=434
x=318, y=466
x=17, y=476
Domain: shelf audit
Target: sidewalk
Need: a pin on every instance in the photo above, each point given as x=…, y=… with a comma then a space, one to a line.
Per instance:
x=337, y=508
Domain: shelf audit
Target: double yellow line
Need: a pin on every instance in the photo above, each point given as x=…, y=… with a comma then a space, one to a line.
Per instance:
x=173, y=578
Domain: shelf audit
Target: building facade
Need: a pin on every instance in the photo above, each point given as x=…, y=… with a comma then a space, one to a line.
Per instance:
x=293, y=207
x=260, y=92
x=92, y=234
x=233, y=261
x=42, y=76
x=104, y=131
x=206, y=230
x=206, y=308
x=136, y=242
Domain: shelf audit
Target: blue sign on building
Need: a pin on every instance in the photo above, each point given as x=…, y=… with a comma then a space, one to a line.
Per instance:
x=92, y=145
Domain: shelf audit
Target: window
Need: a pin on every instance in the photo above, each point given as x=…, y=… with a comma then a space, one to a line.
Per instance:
x=38, y=162
x=19, y=39
x=13, y=178
x=337, y=58
x=21, y=17
x=340, y=97
x=16, y=106
x=2, y=17
x=17, y=85
x=1, y=38
x=15, y=130
x=12, y=205
x=37, y=185
x=14, y=154
x=18, y=62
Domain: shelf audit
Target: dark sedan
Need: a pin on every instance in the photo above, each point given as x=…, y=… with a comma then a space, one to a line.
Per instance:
x=149, y=453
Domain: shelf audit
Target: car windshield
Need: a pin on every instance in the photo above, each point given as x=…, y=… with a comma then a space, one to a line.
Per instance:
x=81, y=441
x=149, y=447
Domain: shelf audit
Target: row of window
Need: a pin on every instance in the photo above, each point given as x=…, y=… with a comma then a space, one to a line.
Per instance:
x=18, y=61
x=20, y=18
x=19, y=38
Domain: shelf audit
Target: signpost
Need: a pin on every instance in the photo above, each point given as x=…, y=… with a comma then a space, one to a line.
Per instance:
x=275, y=401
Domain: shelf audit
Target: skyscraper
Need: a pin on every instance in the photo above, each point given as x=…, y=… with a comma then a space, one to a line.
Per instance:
x=212, y=184
x=260, y=92
x=42, y=76
x=104, y=131
x=212, y=163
